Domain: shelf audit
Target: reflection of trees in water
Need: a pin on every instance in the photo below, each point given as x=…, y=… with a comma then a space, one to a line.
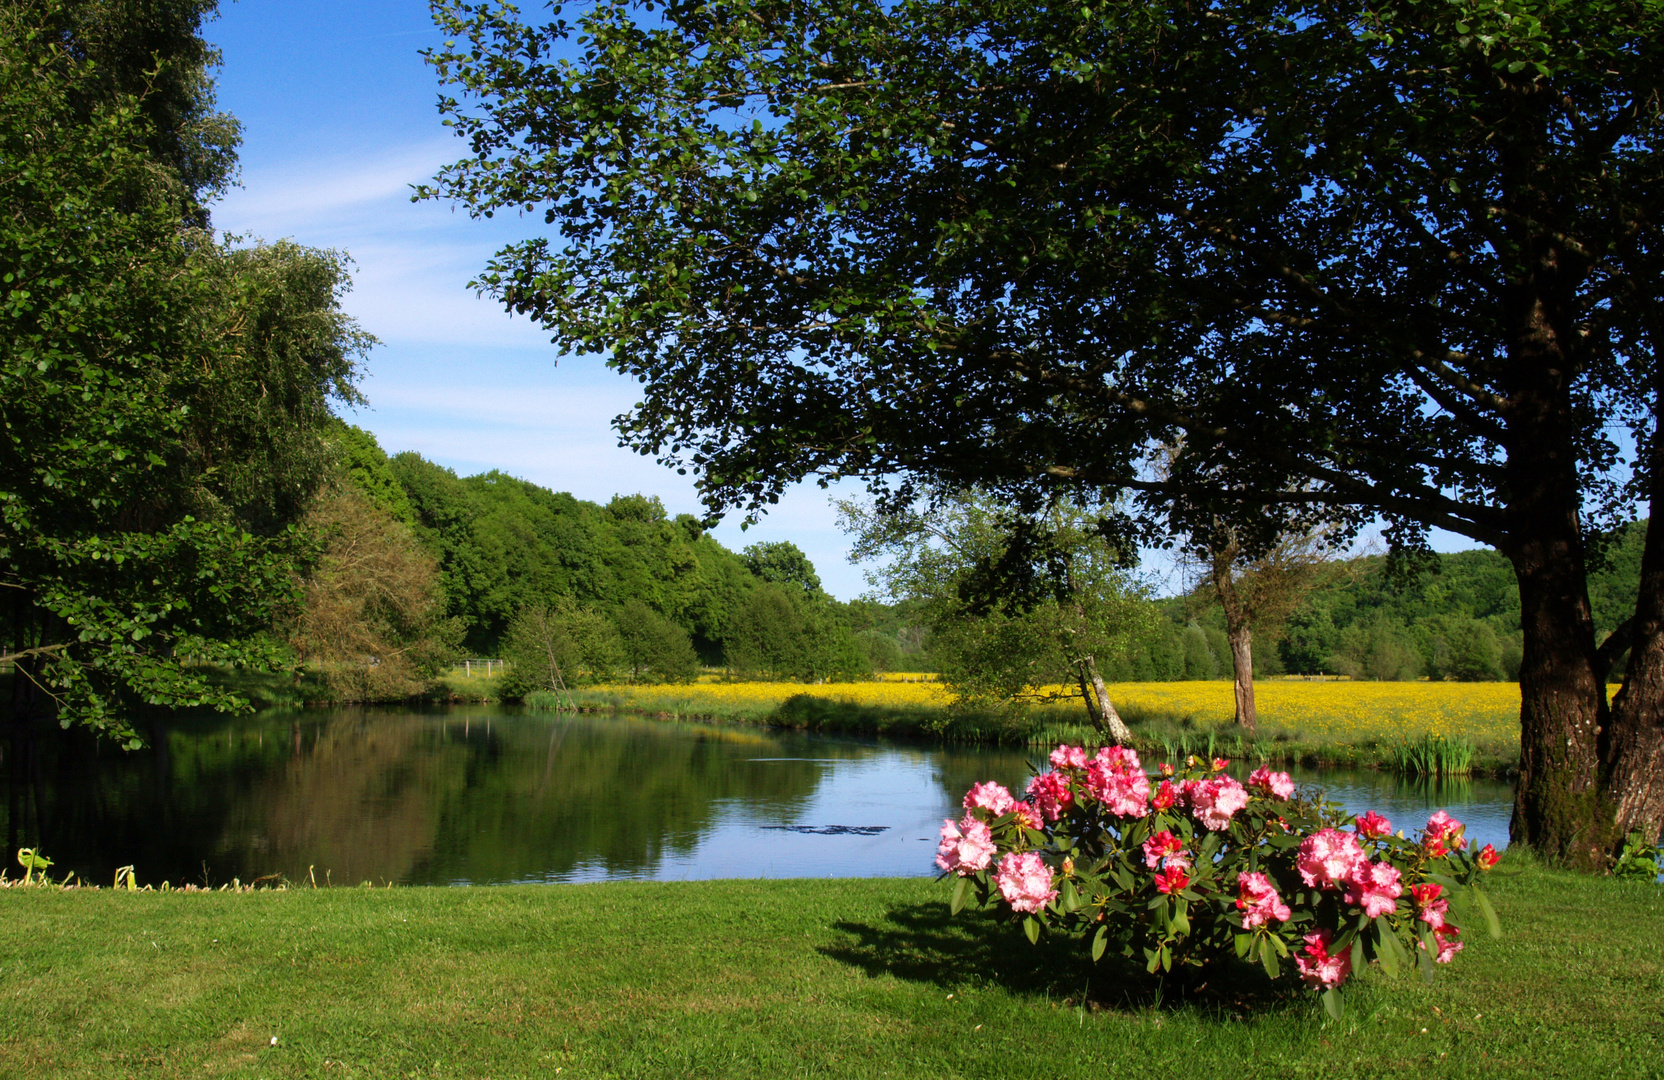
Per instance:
x=611, y=794
x=381, y=795
x=159, y=809
x=358, y=800
x=958, y=769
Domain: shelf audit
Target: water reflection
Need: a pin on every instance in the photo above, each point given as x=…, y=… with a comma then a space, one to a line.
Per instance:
x=488, y=795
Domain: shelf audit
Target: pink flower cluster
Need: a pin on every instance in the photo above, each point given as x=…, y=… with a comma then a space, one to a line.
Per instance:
x=1164, y=845
x=1275, y=784
x=1258, y=901
x=1433, y=909
x=1327, y=858
x=1373, y=824
x=1444, y=833
x=1317, y=967
x=1374, y=887
x=1116, y=779
x=966, y=848
x=1051, y=793
x=1334, y=859
x=991, y=797
x=1215, y=801
x=1025, y=881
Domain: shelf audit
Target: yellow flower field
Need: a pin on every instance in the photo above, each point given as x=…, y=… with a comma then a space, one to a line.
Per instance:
x=1339, y=711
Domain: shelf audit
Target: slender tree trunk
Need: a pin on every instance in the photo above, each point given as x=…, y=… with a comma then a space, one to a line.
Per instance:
x=1110, y=720
x=1239, y=634
x=1090, y=697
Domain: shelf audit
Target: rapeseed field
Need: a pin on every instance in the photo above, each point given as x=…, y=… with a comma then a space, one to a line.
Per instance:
x=1342, y=712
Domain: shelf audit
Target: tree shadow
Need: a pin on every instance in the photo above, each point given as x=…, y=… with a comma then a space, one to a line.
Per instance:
x=923, y=943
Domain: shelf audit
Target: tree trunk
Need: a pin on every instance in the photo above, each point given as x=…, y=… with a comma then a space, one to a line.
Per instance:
x=1632, y=743
x=1109, y=719
x=1242, y=669
x=1559, y=807
x=1239, y=634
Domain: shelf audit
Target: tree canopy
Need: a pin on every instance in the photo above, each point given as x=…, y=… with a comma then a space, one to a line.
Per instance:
x=1396, y=260
x=163, y=397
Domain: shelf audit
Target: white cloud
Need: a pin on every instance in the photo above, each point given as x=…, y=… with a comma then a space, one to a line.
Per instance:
x=301, y=195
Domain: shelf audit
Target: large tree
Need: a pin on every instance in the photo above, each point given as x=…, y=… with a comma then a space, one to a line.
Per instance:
x=1373, y=258
x=163, y=397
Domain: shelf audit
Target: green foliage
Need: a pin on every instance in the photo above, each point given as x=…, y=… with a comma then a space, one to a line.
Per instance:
x=1639, y=860
x=1014, y=602
x=164, y=396
x=781, y=562
x=1349, y=262
x=653, y=648
x=675, y=597
x=555, y=647
x=363, y=464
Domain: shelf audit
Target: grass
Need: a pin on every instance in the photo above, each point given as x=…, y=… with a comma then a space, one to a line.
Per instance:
x=859, y=978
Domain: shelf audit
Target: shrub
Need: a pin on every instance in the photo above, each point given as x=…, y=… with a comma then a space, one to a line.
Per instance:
x=1191, y=868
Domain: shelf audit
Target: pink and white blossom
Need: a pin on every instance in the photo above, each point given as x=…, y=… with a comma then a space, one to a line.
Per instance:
x=1276, y=784
x=989, y=796
x=1374, y=887
x=1118, y=759
x=966, y=848
x=1448, y=942
x=1444, y=832
x=1027, y=815
x=1025, y=881
x=1258, y=901
x=1326, y=858
x=1214, y=802
x=1317, y=967
x=1116, y=780
x=1069, y=757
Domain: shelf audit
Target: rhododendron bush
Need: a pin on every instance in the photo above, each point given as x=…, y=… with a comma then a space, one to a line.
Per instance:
x=1190, y=866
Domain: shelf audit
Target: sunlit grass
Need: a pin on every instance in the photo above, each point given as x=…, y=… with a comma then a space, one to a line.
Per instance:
x=768, y=979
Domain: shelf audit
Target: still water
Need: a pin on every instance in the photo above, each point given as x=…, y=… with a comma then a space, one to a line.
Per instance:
x=491, y=795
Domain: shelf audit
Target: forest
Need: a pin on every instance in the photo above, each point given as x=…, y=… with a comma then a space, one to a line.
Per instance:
x=495, y=566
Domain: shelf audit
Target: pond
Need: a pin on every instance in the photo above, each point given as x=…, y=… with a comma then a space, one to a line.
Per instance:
x=478, y=795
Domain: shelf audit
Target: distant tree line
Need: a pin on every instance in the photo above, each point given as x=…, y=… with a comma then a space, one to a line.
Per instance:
x=1447, y=616
x=419, y=565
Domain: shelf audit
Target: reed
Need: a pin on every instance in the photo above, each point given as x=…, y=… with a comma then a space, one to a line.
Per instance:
x=1432, y=756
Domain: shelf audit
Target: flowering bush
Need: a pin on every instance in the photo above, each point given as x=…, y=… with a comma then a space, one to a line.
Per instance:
x=1201, y=867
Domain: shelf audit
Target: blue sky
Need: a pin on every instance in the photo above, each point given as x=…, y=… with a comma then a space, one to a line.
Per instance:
x=338, y=121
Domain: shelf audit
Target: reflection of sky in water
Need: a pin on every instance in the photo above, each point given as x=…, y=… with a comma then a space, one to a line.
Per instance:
x=903, y=790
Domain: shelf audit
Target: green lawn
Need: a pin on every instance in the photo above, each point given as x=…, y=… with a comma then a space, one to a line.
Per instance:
x=862, y=978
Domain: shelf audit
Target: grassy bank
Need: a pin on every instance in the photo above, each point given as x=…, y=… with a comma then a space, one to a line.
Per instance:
x=1329, y=724
x=824, y=978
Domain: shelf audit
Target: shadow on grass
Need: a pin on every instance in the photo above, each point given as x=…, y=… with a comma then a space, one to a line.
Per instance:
x=922, y=943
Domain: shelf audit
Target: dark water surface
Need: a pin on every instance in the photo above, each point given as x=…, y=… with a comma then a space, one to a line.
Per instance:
x=491, y=795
